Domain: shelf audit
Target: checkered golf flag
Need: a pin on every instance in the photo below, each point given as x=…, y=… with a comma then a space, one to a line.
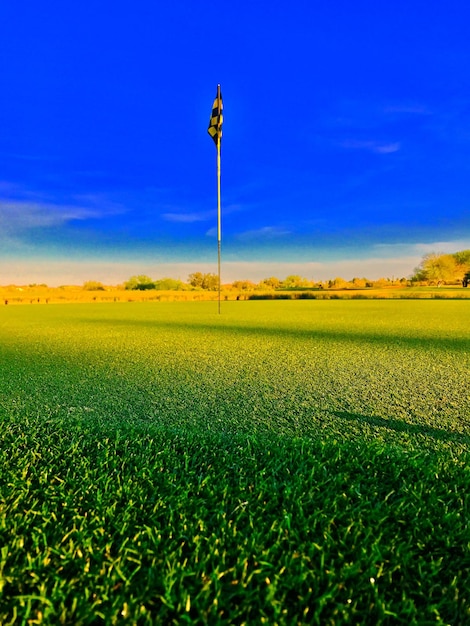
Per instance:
x=215, y=123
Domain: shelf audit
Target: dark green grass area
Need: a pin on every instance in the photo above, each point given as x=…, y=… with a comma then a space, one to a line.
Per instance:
x=283, y=463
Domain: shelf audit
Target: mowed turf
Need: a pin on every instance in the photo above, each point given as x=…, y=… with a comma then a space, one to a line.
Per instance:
x=280, y=463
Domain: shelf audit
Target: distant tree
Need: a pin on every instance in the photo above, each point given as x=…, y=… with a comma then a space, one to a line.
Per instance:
x=140, y=282
x=463, y=258
x=359, y=283
x=196, y=279
x=270, y=283
x=243, y=285
x=204, y=281
x=438, y=268
x=169, y=284
x=93, y=285
x=338, y=283
x=381, y=282
x=211, y=282
x=294, y=281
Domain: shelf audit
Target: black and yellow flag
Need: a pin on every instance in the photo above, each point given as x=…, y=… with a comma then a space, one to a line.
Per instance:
x=215, y=123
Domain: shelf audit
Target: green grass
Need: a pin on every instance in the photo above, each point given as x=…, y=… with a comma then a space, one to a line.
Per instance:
x=282, y=463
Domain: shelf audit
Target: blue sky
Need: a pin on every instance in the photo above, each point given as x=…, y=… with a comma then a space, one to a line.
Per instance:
x=346, y=146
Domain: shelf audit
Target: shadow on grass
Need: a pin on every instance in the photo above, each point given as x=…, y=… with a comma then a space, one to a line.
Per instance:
x=422, y=342
x=405, y=427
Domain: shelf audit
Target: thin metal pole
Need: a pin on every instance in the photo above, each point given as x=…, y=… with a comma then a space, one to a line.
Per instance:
x=219, y=230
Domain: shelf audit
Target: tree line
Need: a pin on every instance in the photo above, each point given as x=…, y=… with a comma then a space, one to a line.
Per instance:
x=209, y=282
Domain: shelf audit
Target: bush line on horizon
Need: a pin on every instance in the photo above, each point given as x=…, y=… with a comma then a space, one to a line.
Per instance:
x=434, y=270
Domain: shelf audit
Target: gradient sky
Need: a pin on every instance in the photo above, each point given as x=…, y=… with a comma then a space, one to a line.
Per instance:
x=346, y=146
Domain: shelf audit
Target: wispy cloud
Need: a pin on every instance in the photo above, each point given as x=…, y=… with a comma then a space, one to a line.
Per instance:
x=23, y=215
x=20, y=217
x=189, y=218
x=212, y=232
x=410, y=109
x=372, y=146
x=421, y=248
x=266, y=232
x=387, y=148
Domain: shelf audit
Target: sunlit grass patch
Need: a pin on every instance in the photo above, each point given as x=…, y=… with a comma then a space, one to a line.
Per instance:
x=285, y=462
